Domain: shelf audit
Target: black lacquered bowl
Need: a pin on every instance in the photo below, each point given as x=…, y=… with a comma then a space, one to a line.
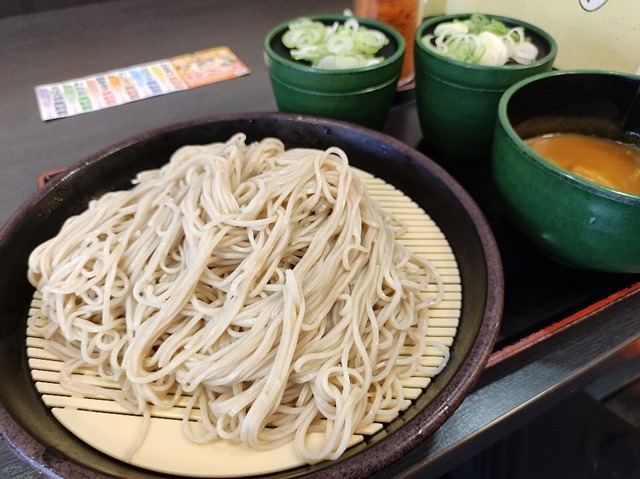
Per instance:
x=31, y=428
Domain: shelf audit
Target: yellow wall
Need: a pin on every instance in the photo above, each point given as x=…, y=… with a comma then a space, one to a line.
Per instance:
x=607, y=38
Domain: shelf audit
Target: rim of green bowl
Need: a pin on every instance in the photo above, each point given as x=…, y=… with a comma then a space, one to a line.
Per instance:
x=540, y=161
x=553, y=47
x=299, y=65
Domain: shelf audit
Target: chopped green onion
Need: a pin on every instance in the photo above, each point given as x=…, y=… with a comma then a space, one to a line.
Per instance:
x=336, y=46
x=341, y=43
x=451, y=28
x=369, y=41
x=481, y=40
x=495, y=51
x=351, y=24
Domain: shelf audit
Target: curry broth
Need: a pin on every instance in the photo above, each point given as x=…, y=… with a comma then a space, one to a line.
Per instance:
x=607, y=162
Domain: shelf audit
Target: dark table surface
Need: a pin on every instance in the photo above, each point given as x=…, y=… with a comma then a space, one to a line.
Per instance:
x=562, y=328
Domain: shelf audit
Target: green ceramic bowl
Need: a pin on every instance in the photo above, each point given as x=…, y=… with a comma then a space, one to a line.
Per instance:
x=458, y=102
x=359, y=95
x=571, y=219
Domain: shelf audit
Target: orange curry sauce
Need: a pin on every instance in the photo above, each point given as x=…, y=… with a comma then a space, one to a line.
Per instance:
x=607, y=162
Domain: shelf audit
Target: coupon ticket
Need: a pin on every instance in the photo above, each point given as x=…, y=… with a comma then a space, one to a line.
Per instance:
x=116, y=87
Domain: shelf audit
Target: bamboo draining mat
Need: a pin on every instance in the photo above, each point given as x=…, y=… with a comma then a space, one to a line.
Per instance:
x=106, y=426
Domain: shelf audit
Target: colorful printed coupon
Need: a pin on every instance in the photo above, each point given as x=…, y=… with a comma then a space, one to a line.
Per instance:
x=96, y=92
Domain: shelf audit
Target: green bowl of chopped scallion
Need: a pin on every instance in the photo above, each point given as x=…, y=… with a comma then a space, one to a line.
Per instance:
x=464, y=63
x=335, y=66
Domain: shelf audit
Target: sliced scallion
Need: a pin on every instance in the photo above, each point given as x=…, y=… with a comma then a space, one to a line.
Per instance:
x=483, y=41
x=335, y=46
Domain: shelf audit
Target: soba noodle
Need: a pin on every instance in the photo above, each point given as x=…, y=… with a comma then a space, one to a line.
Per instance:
x=261, y=286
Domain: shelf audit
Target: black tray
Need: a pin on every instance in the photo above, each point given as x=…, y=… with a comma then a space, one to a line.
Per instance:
x=539, y=291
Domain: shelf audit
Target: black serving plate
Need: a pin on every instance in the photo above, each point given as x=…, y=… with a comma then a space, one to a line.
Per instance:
x=36, y=434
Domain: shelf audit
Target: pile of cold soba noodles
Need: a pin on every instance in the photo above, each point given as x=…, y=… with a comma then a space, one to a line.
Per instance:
x=261, y=286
